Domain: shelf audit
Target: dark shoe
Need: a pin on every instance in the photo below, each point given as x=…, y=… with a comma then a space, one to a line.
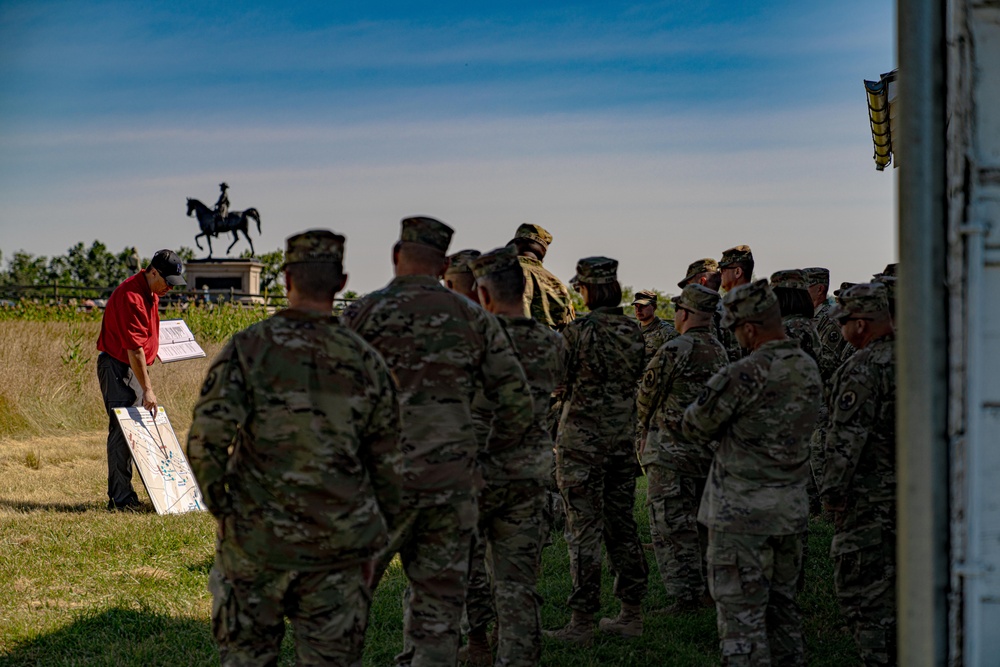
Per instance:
x=130, y=506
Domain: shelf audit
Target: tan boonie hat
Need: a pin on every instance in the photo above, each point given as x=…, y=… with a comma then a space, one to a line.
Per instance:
x=596, y=271
x=789, y=279
x=707, y=265
x=427, y=231
x=698, y=298
x=315, y=245
x=645, y=298
x=747, y=302
x=461, y=261
x=533, y=233
x=495, y=261
x=843, y=286
x=740, y=253
x=817, y=275
x=863, y=299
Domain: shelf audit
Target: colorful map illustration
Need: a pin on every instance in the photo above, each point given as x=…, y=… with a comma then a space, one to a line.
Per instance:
x=160, y=459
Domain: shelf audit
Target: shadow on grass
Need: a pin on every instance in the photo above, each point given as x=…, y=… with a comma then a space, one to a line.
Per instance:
x=119, y=637
x=71, y=508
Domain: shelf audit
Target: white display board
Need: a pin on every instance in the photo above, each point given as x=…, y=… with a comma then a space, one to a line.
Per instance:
x=160, y=460
x=177, y=342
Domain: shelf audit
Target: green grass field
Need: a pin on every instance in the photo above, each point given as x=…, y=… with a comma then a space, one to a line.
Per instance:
x=81, y=586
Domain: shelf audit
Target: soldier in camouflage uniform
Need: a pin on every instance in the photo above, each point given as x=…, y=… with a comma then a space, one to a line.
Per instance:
x=458, y=276
x=705, y=272
x=655, y=332
x=511, y=518
x=675, y=468
x=735, y=269
x=797, y=310
x=762, y=409
x=545, y=297
x=859, y=478
x=310, y=488
x=596, y=465
x=831, y=340
x=440, y=348
x=888, y=278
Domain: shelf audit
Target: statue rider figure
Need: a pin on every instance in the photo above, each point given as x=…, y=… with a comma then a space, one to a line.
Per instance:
x=222, y=206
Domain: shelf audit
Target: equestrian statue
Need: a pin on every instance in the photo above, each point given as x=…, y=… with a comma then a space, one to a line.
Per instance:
x=221, y=220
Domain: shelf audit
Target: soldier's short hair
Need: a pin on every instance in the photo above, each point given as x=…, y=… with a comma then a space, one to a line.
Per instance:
x=794, y=302
x=506, y=286
x=603, y=295
x=315, y=280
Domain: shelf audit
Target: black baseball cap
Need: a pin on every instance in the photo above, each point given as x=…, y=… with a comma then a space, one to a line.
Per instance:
x=170, y=266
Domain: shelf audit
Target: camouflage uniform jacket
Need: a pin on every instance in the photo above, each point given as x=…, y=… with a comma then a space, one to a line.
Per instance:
x=546, y=299
x=803, y=330
x=832, y=342
x=603, y=367
x=441, y=347
x=310, y=412
x=762, y=409
x=654, y=335
x=860, y=452
x=672, y=381
x=541, y=352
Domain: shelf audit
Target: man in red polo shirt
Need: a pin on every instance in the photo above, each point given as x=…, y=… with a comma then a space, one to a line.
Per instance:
x=129, y=341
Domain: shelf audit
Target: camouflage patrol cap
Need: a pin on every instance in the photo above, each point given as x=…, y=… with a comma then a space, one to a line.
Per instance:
x=740, y=253
x=747, y=302
x=645, y=298
x=494, y=261
x=863, y=299
x=706, y=265
x=461, y=261
x=596, y=270
x=890, y=286
x=817, y=275
x=315, y=245
x=698, y=298
x=535, y=233
x=889, y=270
x=427, y=231
x=843, y=286
x=790, y=279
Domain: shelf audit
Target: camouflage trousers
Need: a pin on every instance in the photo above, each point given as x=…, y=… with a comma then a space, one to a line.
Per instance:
x=679, y=541
x=752, y=580
x=328, y=610
x=434, y=547
x=504, y=569
x=864, y=576
x=599, y=493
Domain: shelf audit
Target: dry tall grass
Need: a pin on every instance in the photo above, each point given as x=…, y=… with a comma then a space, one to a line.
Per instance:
x=48, y=380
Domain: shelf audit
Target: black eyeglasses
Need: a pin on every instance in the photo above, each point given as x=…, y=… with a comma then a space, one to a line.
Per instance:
x=845, y=320
x=686, y=310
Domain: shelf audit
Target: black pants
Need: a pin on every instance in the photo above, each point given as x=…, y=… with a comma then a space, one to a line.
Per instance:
x=113, y=376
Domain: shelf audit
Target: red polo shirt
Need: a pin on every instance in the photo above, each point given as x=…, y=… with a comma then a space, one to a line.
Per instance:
x=131, y=320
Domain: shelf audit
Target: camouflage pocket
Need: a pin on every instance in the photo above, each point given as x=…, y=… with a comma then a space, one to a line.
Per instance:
x=724, y=580
x=571, y=472
x=225, y=609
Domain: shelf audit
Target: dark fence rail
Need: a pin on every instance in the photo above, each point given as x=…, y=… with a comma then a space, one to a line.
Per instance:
x=55, y=293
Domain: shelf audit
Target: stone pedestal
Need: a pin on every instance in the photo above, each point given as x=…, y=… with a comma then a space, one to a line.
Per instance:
x=238, y=279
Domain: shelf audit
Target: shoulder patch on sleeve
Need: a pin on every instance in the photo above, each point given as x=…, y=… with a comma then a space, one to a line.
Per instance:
x=649, y=379
x=847, y=400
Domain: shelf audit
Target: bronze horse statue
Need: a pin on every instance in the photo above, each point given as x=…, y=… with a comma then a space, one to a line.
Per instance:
x=235, y=222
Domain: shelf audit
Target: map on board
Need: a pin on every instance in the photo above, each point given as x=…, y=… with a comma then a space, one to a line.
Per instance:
x=160, y=459
x=177, y=342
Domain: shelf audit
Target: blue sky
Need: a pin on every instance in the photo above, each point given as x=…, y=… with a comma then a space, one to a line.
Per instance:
x=655, y=133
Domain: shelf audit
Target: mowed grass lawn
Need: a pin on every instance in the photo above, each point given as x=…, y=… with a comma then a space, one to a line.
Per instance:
x=82, y=586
